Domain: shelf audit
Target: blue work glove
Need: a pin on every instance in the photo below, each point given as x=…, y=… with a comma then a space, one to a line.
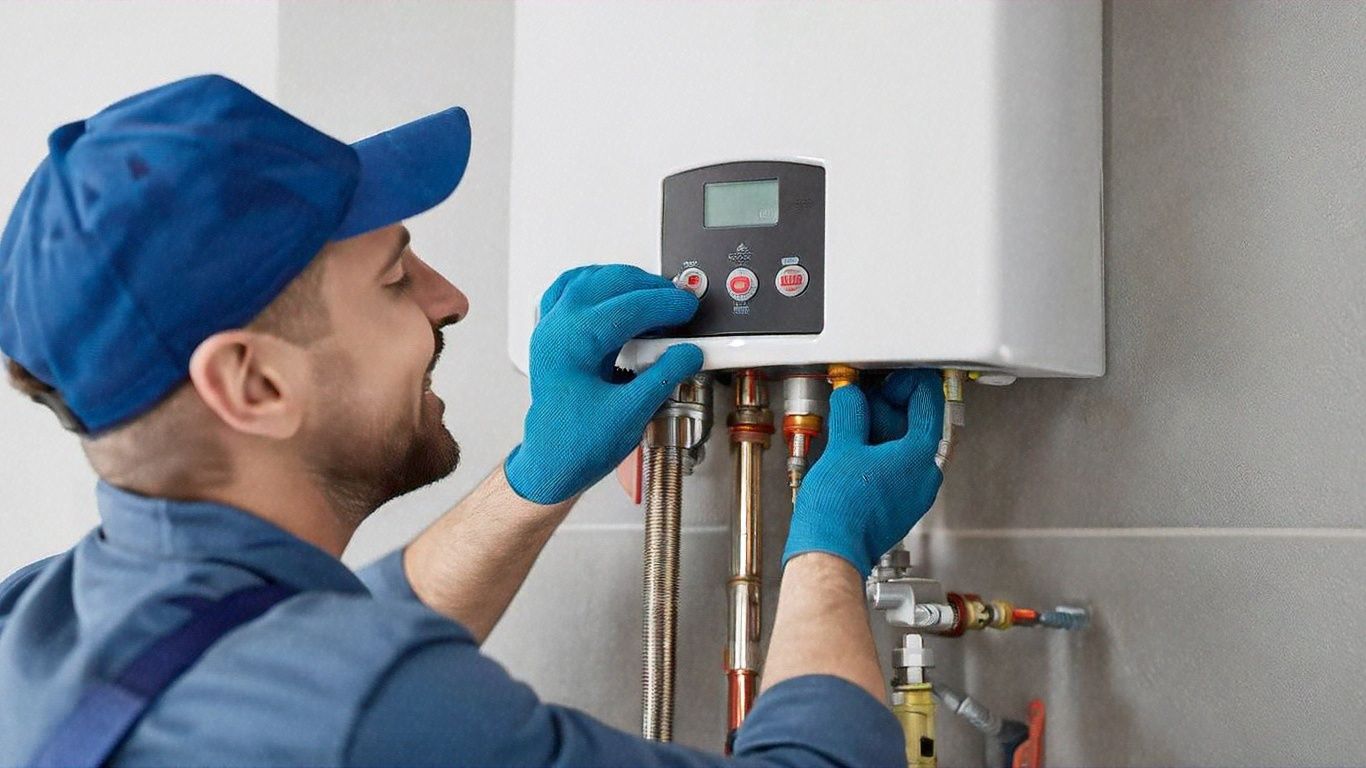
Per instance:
x=581, y=424
x=887, y=401
x=877, y=476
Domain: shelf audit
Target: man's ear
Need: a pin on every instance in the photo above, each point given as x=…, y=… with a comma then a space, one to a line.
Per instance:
x=251, y=382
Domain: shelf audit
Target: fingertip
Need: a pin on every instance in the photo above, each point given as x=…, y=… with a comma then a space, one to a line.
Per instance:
x=847, y=396
x=925, y=409
x=898, y=386
x=677, y=304
x=848, y=415
x=690, y=356
x=658, y=380
x=683, y=360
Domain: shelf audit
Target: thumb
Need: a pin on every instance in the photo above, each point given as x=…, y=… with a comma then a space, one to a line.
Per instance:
x=652, y=386
x=848, y=417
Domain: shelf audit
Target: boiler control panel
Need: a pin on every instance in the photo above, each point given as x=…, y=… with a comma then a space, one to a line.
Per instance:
x=748, y=238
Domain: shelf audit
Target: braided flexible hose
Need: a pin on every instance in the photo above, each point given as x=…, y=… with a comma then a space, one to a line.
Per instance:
x=663, y=509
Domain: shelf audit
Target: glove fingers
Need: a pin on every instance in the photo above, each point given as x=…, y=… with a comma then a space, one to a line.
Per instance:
x=556, y=290
x=652, y=386
x=898, y=386
x=622, y=318
x=611, y=281
x=848, y=417
x=925, y=410
x=888, y=421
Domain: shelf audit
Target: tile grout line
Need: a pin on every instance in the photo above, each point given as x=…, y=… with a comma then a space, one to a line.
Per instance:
x=1173, y=532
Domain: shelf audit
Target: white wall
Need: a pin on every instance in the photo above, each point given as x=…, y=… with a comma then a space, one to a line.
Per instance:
x=353, y=68
x=62, y=61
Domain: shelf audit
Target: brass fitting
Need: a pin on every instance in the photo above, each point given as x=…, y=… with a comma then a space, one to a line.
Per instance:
x=806, y=400
x=751, y=421
x=841, y=375
x=976, y=614
x=800, y=431
x=913, y=706
x=953, y=385
x=954, y=415
x=1002, y=615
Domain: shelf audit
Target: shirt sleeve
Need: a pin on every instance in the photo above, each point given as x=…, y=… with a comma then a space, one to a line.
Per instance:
x=386, y=580
x=12, y=587
x=447, y=704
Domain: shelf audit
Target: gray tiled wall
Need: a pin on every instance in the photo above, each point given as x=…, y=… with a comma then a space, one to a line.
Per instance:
x=1207, y=495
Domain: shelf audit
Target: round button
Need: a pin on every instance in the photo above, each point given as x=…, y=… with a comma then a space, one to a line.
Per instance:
x=692, y=279
x=742, y=284
x=791, y=281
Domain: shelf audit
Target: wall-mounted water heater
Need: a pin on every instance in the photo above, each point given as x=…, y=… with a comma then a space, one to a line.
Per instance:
x=880, y=184
x=844, y=186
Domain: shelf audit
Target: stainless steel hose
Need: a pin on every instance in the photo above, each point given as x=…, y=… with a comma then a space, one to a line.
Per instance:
x=663, y=510
x=673, y=444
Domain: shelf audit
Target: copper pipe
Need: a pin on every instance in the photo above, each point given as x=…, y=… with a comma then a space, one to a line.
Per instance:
x=742, y=685
x=751, y=425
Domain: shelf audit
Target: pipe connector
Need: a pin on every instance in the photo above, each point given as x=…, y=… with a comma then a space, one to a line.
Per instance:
x=912, y=603
x=684, y=420
x=841, y=375
x=911, y=659
x=913, y=700
x=805, y=404
x=969, y=709
x=751, y=421
x=1070, y=617
x=974, y=613
x=955, y=415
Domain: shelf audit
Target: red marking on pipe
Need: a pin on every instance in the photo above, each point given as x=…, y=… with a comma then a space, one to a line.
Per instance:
x=762, y=429
x=960, y=612
x=1024, y=616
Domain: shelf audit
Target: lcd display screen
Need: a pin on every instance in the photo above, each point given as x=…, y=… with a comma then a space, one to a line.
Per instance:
x=740, y=204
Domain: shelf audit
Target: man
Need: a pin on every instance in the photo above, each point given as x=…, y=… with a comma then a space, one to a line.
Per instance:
x=223, y=303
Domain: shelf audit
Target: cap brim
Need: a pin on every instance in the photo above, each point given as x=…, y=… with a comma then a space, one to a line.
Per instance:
x=407, y=170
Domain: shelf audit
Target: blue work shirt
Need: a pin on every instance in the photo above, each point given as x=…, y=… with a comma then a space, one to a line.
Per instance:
x=354, y=670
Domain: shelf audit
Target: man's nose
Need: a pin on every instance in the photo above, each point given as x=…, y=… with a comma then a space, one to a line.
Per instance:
x=442, y=301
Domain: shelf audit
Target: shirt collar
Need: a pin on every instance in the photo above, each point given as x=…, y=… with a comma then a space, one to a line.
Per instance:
x=212, y=532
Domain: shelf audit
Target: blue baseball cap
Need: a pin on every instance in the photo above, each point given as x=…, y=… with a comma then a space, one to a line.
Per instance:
x=181, y=212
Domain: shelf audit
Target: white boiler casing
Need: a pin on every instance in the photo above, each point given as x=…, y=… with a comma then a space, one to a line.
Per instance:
x=960, y=141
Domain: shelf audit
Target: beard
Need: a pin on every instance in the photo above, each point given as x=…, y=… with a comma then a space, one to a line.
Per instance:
x=361, y=463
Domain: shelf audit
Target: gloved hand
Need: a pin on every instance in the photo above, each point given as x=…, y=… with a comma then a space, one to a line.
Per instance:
x=866, y=491
x=581, y=424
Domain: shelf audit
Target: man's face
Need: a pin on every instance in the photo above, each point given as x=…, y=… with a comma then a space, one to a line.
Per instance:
x=374, y=427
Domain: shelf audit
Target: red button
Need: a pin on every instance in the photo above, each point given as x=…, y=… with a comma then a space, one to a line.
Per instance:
x=791, y=280
x=742, y=284
x=693, y=280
